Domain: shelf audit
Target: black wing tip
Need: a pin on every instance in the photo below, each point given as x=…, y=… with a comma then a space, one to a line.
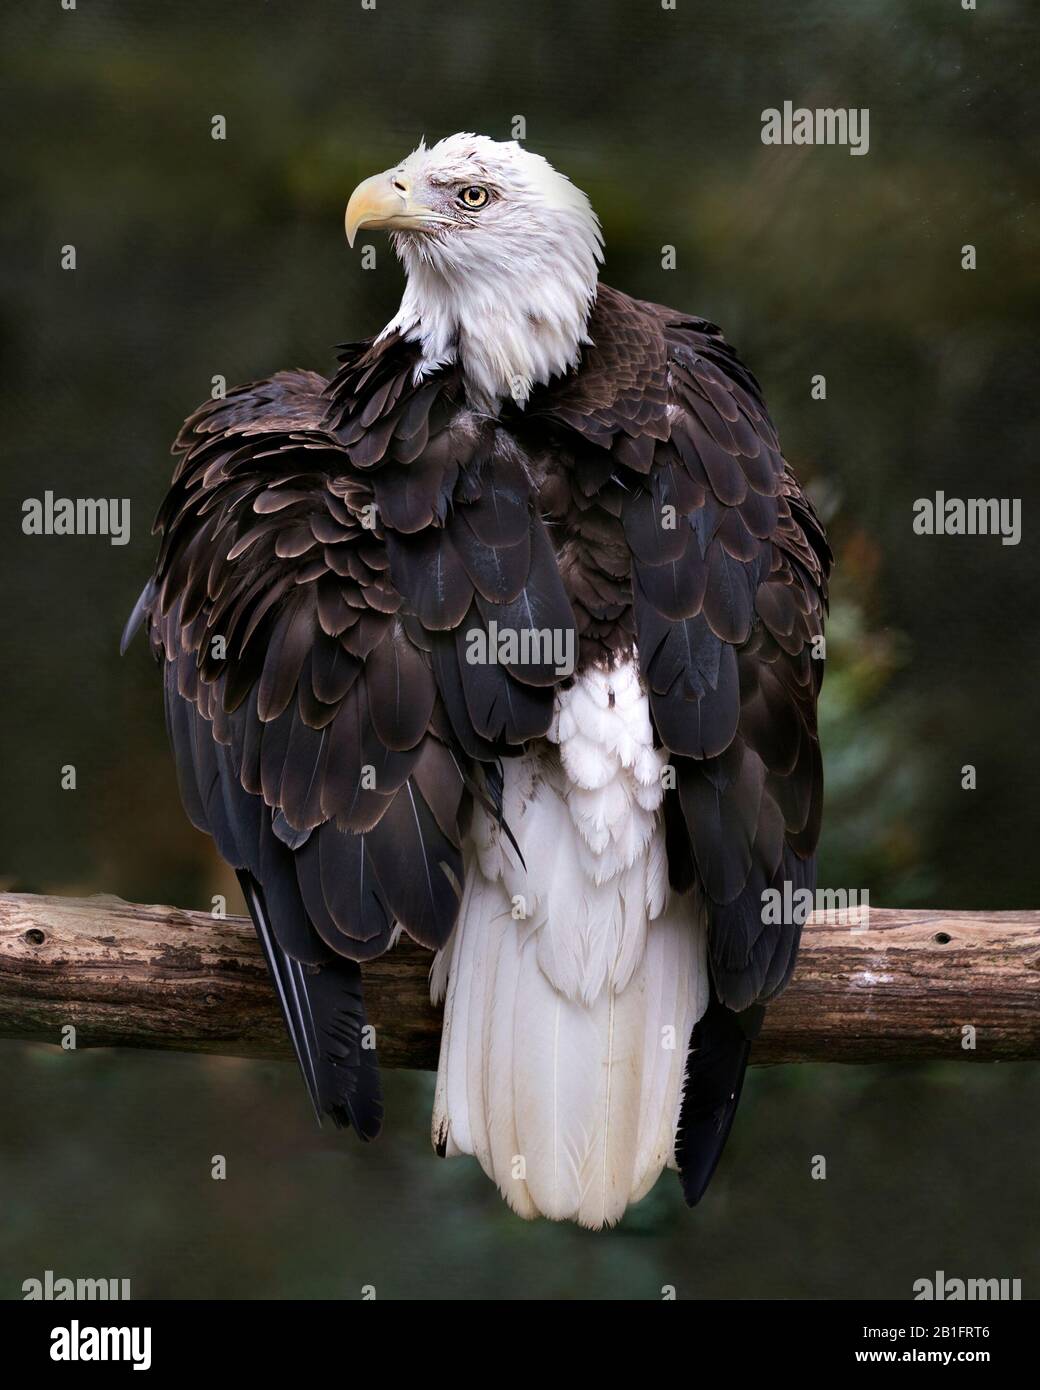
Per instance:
x=342, y=1085
x=720, y=1048
x=367, y=1124
x=345, y=1112
x=136, y=617
x=707, y=1143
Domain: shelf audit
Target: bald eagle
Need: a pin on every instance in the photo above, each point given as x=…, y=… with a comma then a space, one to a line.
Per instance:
x=506, y=636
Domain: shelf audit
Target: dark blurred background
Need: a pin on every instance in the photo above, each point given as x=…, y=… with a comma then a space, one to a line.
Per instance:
x=198, y=257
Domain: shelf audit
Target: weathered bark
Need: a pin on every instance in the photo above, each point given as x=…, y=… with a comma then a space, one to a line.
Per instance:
x=903, y=989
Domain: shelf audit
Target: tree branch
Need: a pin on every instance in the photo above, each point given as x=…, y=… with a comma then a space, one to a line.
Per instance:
x=901, y=990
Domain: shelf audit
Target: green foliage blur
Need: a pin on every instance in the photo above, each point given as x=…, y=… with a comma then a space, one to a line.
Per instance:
x=198, y=257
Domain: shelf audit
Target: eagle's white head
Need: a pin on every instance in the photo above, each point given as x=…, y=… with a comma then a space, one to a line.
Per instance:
x=502, y=254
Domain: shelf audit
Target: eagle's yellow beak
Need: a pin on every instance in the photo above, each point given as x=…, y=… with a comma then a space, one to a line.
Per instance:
x=385, y=201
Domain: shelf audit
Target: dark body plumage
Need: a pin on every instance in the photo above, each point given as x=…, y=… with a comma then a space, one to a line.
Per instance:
x=326, y=547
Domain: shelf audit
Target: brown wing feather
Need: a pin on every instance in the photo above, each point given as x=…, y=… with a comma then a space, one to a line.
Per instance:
x=728, y=571
x=324, y=550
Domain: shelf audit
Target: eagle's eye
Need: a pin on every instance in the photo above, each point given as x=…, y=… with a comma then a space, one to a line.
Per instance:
x=473, y=197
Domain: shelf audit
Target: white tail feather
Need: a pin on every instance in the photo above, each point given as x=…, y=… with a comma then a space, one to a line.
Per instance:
x=573, y=980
